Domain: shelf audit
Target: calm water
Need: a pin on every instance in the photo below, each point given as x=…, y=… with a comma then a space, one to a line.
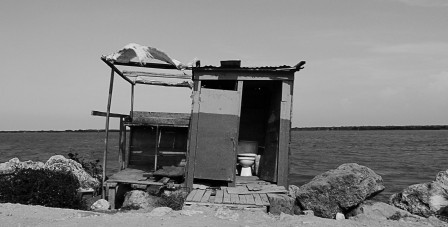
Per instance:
x=402, y=158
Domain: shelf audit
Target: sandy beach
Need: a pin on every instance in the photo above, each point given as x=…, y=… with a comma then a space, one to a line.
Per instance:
x=23, y=215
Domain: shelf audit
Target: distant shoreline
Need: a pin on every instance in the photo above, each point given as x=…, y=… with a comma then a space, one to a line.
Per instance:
x=59, y=131
x=339, y=128
x=366, y=128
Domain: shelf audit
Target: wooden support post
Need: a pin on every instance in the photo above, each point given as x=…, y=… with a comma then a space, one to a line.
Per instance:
x=125, y=149
x=112, y=191
x=192, y=136
x=157, y=148
x=106, y=141
x=132, y=101
x=285, y=136
x=121, y=144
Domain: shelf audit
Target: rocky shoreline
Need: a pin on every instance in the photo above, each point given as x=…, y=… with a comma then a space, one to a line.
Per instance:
x=339, y=197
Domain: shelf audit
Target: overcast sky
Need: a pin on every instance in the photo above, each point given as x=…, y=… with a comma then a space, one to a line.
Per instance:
x=369, y=62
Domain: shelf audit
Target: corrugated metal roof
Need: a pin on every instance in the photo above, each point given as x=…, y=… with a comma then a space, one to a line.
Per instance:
x=297, y=67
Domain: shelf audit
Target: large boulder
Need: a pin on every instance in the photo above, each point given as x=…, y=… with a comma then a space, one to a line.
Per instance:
x=339, y=190
x=425, y=199
x=60, y=163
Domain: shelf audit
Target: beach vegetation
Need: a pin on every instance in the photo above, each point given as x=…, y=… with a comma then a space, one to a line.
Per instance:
x=41, y=187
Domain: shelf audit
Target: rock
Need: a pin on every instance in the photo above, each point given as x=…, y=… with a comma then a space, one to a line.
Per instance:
x=339, y=190
x=340, y=216
x=137, y=199
x=160, y=211
x=292, y=193
x=308, y=212
x=60, y=163
x=292, y=190
x=378, y=211
x=100, y=204
x=425, y=199
x=15, y=164
x=281, y=203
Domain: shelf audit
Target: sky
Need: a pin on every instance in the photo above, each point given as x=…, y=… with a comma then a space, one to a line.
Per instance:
x=369, y=62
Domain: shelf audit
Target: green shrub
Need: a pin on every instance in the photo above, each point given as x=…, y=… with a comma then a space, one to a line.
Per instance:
x=40, y=187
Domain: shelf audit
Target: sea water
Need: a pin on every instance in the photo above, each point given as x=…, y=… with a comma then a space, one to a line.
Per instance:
x=401, y=157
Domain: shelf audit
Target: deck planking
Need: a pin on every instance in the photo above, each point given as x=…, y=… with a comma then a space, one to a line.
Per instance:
x=249, y=192
x=219, y=196
x=206, y=196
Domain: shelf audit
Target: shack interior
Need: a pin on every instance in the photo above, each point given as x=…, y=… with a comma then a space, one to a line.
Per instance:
x=260, y=124
x=157, y=140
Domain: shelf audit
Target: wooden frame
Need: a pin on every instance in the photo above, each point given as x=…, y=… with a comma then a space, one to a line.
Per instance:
x=283, y=73
x=241, y=75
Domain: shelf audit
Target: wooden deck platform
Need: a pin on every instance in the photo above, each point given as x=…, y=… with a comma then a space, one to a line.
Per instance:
x=250, y=192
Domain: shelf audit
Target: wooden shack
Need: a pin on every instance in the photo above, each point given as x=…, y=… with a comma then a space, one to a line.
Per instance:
x=232, y=104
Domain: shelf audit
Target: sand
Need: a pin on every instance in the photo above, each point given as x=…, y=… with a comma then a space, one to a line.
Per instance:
x=25, y=215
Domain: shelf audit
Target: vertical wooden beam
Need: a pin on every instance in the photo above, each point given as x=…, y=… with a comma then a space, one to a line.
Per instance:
x=125, y=149
x=192, y=135
x=121, y=146
x=132, y=101
x=156, y=151
x=131, y=146
x=285, y=136
x=106, y=141
x=235, y=152
x=120, y=159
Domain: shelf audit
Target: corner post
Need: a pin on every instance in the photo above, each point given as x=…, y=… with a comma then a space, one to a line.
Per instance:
x=106, y=141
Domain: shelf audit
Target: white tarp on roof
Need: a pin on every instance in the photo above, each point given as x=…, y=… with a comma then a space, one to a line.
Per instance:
x=142, y=54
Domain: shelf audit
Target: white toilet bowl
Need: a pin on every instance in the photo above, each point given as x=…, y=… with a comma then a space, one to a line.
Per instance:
x=246, y=161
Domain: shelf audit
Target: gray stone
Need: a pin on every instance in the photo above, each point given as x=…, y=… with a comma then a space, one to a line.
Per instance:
x=137, y=199
x=378, y=211
x=340, y=216
x=424, y=199
x=308, y=212
x=15, y=164
x=100, y=204
x=339, y=190
x=292, y=190
x=160, y=211
x=281, y=203
x=60, y=163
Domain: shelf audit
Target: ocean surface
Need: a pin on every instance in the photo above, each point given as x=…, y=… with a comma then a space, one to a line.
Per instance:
x=402, y=157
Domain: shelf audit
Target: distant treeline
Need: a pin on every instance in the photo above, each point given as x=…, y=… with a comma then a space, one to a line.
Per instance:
x=57, y=131
x=359, y=128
